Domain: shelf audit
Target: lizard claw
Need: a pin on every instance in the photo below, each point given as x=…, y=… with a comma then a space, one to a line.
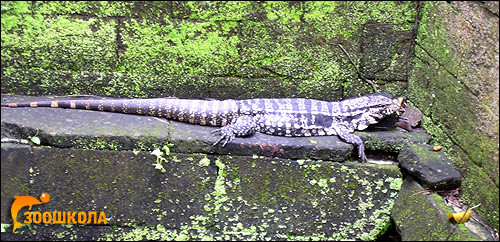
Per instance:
x=361, y=152
x=226, y=135
x=244, y=125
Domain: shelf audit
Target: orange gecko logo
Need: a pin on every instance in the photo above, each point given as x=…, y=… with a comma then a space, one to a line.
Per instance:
x=23, y=201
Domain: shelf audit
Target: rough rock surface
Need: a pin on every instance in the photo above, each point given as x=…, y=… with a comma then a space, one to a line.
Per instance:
x=423, y=216
x=454, y=82
x=431, y=168
x=199, y=196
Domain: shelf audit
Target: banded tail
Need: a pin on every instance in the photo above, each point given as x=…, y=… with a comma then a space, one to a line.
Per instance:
x=213, y=113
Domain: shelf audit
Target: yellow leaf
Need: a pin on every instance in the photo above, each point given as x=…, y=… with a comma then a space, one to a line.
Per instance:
x=313, y=141
x=461, y=217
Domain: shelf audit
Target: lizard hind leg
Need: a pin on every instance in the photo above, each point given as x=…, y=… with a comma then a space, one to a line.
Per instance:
x=242, y=126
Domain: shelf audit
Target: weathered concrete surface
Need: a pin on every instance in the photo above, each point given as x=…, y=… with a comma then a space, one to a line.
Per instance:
x=421, y=216
x=340, y=201
x=454, y=82
x=237, y=196
x=431, y=168
x=124, y=185
x=14, y=180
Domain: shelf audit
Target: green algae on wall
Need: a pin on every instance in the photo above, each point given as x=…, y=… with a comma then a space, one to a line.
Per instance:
x=457, y=96
x=132, y=49
x=322, y=199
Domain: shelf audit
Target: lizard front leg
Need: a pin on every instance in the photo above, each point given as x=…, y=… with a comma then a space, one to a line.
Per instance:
x=242, y=126
x=345, y=135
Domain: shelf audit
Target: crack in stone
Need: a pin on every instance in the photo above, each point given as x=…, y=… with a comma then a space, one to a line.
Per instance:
x=469, y=89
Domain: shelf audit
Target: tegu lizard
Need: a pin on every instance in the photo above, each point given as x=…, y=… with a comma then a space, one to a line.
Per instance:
x=284, y=116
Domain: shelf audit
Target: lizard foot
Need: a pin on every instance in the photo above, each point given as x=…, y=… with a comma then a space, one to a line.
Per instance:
x=226, y=135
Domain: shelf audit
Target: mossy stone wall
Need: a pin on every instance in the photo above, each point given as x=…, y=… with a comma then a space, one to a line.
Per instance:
x=454, y=82
x=205, y=48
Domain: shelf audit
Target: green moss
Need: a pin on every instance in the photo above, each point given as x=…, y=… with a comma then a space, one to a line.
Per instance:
x=278, y=40
x=219, y=194
x=329, y=17
x=204, y=162
x=100, y=9
x=283, y=12
x=435, y=83
x=21, y=186
x=291, y=183
x=193, y=44
x=210, y=10
x=95, y=144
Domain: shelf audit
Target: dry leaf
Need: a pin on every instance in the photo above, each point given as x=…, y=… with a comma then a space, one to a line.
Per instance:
x=313, y=141
x=437, y=147
x=459, y=217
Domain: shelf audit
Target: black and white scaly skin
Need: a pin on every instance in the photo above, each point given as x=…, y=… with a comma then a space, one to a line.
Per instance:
x=284, y=117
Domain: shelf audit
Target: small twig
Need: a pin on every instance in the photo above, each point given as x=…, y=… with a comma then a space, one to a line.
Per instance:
x=21, y=141
x=476, y=206
x=472, y=200
x=421, y=191
x=463, y=216
x=357, y=70
x=455, y=227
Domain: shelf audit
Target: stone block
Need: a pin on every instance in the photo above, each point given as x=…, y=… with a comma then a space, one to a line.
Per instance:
x=419, y=215
x=431, y=168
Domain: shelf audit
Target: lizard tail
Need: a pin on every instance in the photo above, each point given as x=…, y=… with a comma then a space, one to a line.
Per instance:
x=213, y=113
x=28, y=104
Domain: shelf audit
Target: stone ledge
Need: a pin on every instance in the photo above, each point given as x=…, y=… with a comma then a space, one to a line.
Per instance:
x=70, y=128
x=122, y=184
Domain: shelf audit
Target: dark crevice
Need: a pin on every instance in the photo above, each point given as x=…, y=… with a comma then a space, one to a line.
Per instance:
x=391, y=234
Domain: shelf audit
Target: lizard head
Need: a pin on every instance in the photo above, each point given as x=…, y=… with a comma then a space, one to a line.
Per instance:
x=383, y=106
x=395, y=106
x=378, y=107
